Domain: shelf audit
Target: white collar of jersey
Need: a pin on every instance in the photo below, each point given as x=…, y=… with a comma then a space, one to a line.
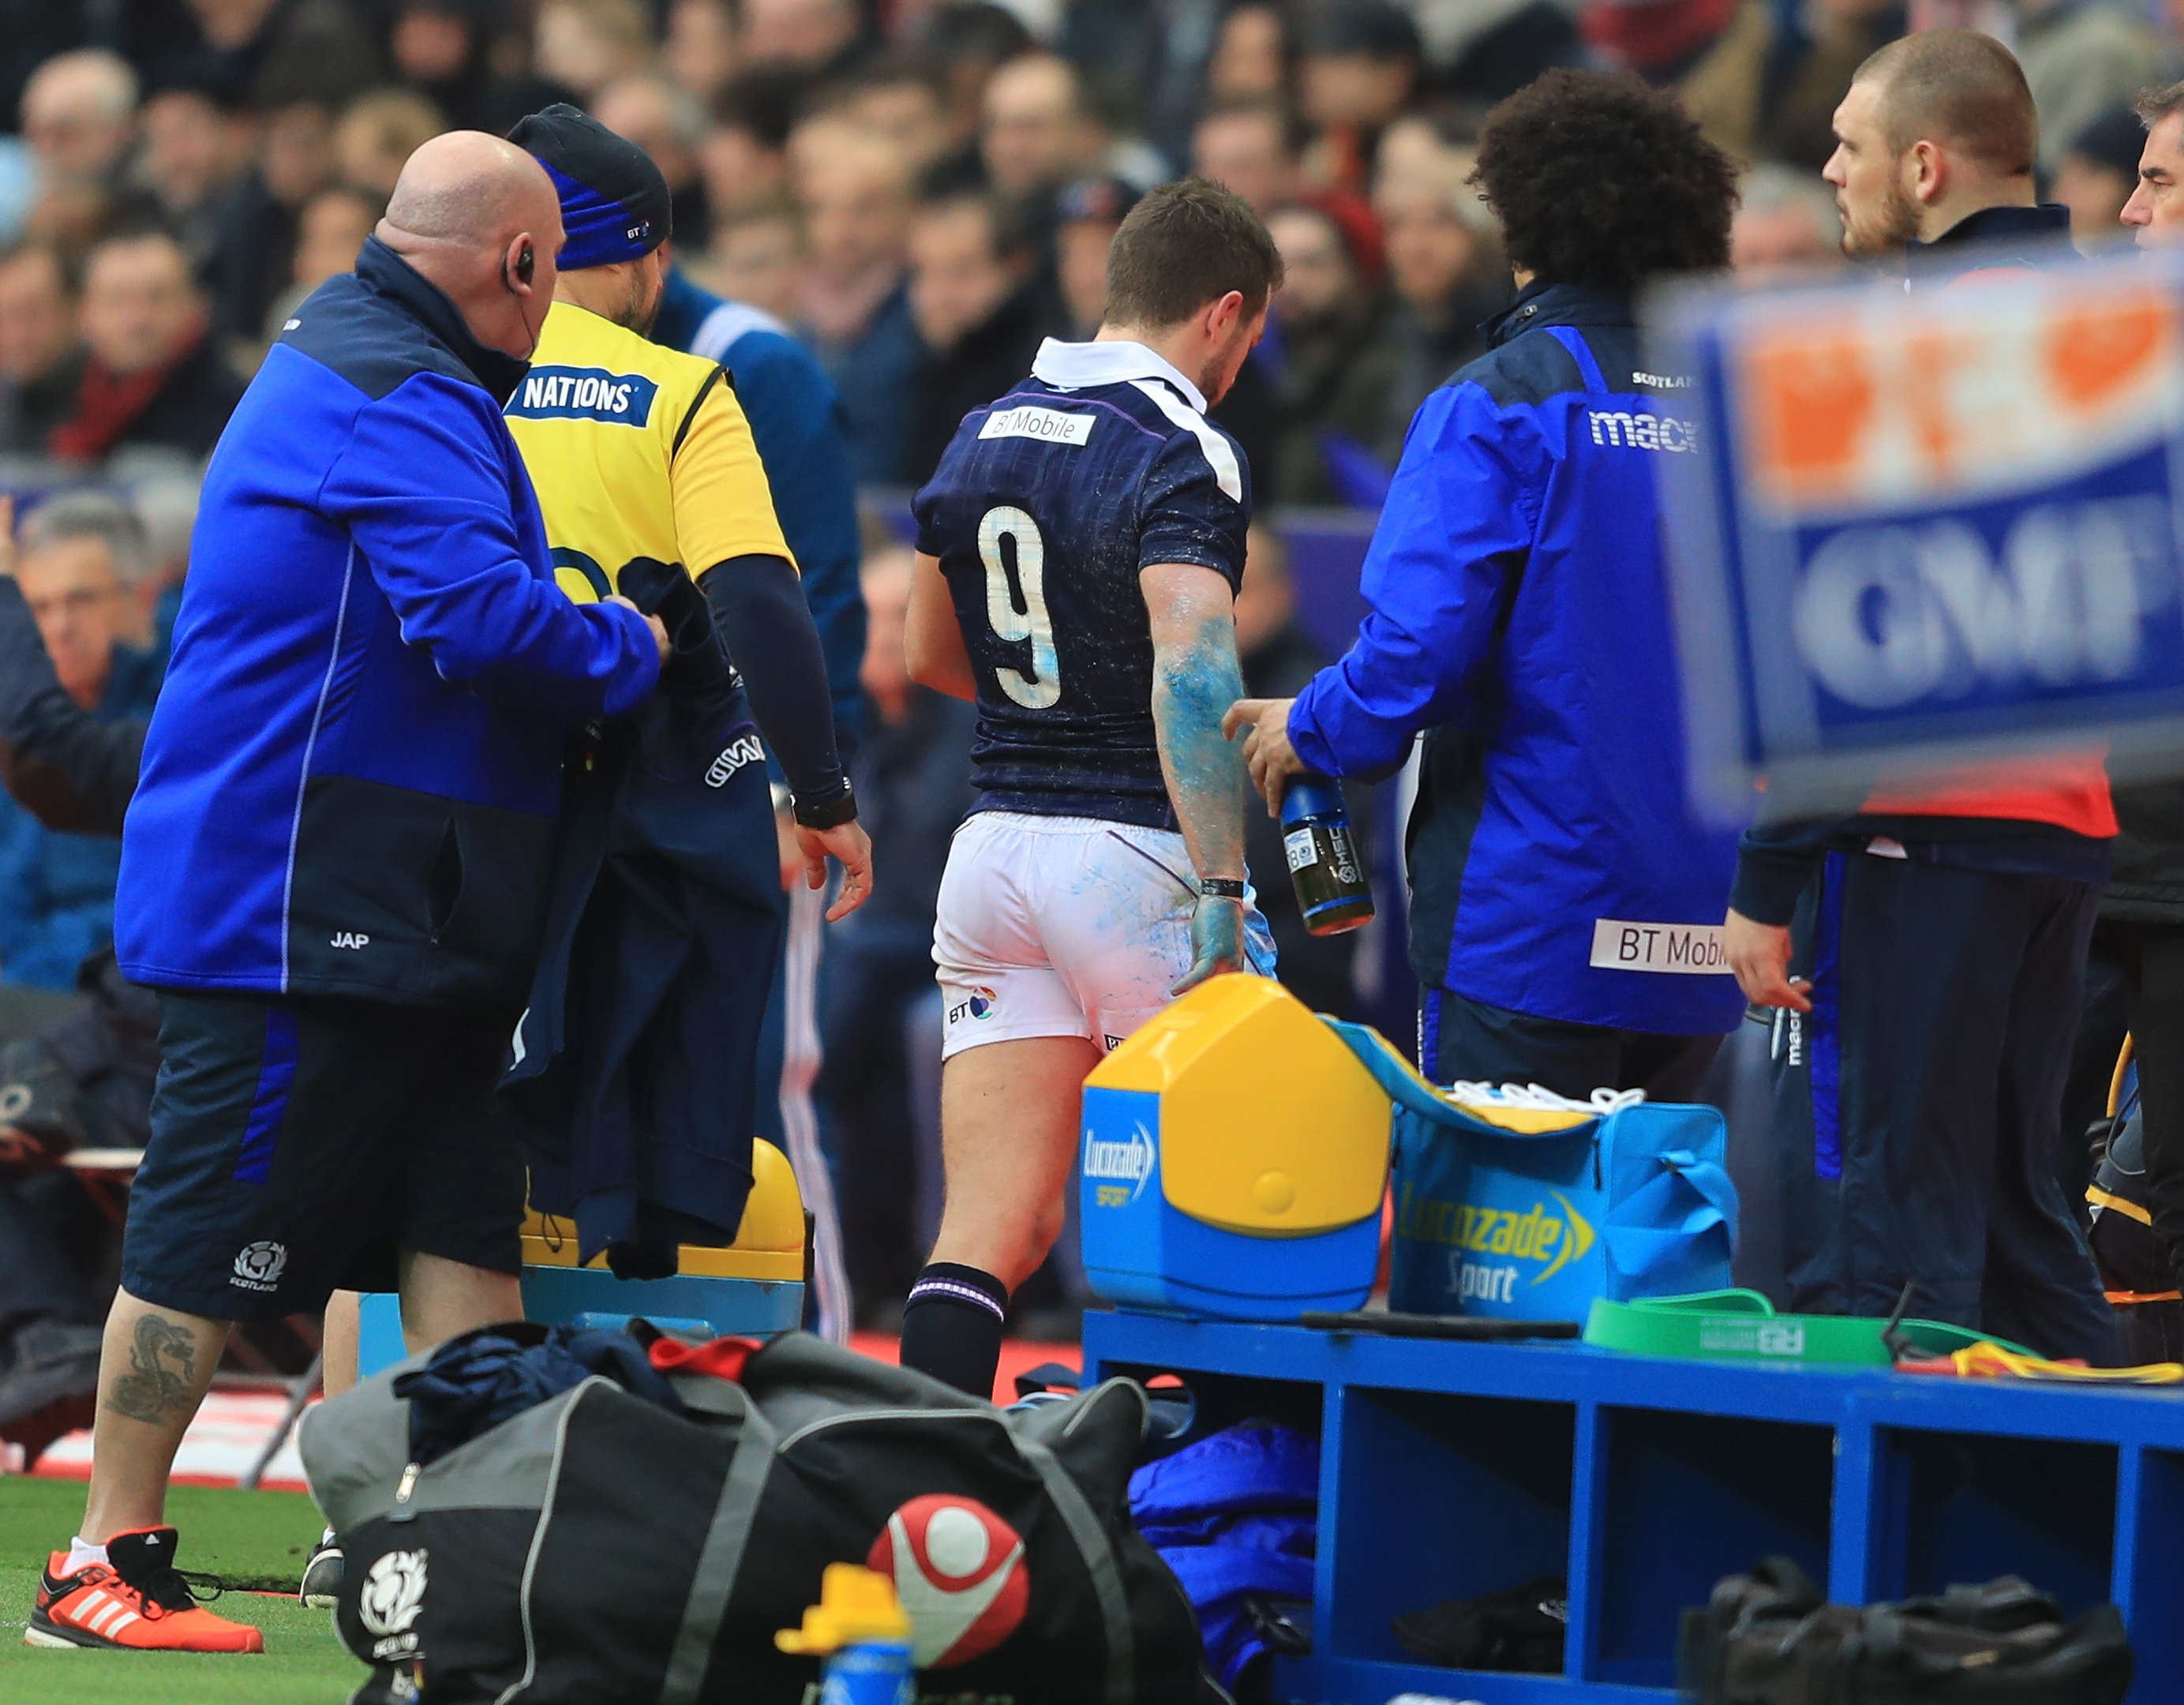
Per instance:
x=1078, y=366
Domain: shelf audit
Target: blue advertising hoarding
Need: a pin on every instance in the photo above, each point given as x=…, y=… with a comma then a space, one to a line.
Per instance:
x=1915, y=529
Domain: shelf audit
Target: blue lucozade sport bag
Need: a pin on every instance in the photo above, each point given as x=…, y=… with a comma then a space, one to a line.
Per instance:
x=1523, y=1206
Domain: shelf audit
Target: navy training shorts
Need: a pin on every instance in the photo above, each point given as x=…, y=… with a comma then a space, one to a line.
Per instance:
x=297, y=1145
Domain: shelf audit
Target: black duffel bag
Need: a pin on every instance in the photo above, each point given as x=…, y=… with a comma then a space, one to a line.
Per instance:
x=1770, y=1638
x=599, y=1549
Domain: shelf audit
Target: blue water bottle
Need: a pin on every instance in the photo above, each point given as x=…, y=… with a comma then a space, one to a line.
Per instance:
x=1324, y=867
x=859, y=1627
x=872, y=1672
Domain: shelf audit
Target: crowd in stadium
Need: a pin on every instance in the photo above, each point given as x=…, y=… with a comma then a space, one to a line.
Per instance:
x=918, y=192
x=921, y=191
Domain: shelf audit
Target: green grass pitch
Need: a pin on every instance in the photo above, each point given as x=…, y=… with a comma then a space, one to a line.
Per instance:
x=249, y=1539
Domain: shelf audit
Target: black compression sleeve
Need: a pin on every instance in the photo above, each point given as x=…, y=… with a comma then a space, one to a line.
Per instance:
x=758, y=605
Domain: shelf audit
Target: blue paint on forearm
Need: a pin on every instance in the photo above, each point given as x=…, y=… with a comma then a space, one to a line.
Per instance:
x=1193, y=688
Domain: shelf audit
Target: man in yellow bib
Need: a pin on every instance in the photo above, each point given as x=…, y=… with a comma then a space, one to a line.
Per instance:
x=642, y=452
x=652, y=487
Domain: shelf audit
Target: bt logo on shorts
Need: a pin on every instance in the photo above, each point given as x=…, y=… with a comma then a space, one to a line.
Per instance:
x=259, y=1265
x=351, y=939
x=980, y=1004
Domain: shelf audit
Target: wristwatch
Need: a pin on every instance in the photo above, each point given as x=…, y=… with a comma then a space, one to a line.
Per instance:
x=1220, y=888
x=830, y=811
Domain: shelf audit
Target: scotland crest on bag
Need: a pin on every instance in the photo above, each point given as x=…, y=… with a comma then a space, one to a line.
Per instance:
x=1521, y=1205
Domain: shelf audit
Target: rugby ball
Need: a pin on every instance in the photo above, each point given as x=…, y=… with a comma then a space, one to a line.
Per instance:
x=959, y=1570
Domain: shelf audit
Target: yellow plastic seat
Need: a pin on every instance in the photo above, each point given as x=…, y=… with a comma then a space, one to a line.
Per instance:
x=769, y=1244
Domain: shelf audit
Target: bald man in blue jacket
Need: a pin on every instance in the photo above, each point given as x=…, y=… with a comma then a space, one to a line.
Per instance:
x=334, y=870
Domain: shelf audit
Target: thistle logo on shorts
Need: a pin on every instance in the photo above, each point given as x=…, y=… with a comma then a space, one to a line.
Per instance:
x=959, y=1569
x=980, y=1003
x=1129, y=1161
x=584, y=393
x=260, y=1265
x=392, y=1594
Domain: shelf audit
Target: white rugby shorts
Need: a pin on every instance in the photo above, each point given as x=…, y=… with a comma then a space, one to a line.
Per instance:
x=1065, y=927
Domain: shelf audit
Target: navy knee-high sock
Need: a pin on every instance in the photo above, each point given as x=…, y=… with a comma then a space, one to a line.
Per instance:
x=951, y=1326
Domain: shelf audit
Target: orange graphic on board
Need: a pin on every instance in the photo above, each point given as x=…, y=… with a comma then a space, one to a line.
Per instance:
x=1933, y=357
x=1812, y=404
x=2092, y=353
x=1821, y=401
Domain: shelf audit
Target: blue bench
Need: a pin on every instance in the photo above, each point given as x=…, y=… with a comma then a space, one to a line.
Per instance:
x=1450, y=1470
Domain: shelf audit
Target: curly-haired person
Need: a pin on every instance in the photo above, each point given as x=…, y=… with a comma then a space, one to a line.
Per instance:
x=1564, y=907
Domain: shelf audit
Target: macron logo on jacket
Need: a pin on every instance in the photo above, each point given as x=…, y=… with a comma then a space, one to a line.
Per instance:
x=1640, y=432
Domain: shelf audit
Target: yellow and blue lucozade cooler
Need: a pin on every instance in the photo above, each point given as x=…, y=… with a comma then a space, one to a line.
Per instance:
x=1235, y=1160
x=1236, y=1156
x=1523, y=1206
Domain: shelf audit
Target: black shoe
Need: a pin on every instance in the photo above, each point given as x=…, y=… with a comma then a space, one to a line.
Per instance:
x=1520, y=1629
x=322, y=1575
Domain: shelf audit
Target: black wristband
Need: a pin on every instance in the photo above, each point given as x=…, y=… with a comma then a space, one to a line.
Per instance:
x=1220, y=888
x=829, y=811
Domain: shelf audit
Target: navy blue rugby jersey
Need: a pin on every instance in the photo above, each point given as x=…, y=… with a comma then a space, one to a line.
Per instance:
x=1045, y=508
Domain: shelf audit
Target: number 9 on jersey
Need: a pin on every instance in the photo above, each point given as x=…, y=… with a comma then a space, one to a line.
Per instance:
x=1042, y=689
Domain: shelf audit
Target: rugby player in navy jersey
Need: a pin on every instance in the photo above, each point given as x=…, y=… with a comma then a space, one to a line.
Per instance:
x=1078, y=554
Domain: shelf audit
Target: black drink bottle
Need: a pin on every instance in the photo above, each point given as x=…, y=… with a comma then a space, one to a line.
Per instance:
x=1330, y=877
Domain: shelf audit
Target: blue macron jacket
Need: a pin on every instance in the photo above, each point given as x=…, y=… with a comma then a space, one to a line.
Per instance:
x=1519, y=616
x=350, y=783
x=796, y=421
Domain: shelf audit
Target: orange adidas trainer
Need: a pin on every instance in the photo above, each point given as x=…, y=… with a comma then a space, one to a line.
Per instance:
x=136, y=1601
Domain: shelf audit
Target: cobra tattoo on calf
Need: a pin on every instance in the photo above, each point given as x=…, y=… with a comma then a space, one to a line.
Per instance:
x=162, y=1372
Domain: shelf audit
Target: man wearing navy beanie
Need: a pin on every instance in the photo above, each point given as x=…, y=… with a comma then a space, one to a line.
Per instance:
x=614, y=206
x=795, y=417
x=643, y=454
x=712, y=512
